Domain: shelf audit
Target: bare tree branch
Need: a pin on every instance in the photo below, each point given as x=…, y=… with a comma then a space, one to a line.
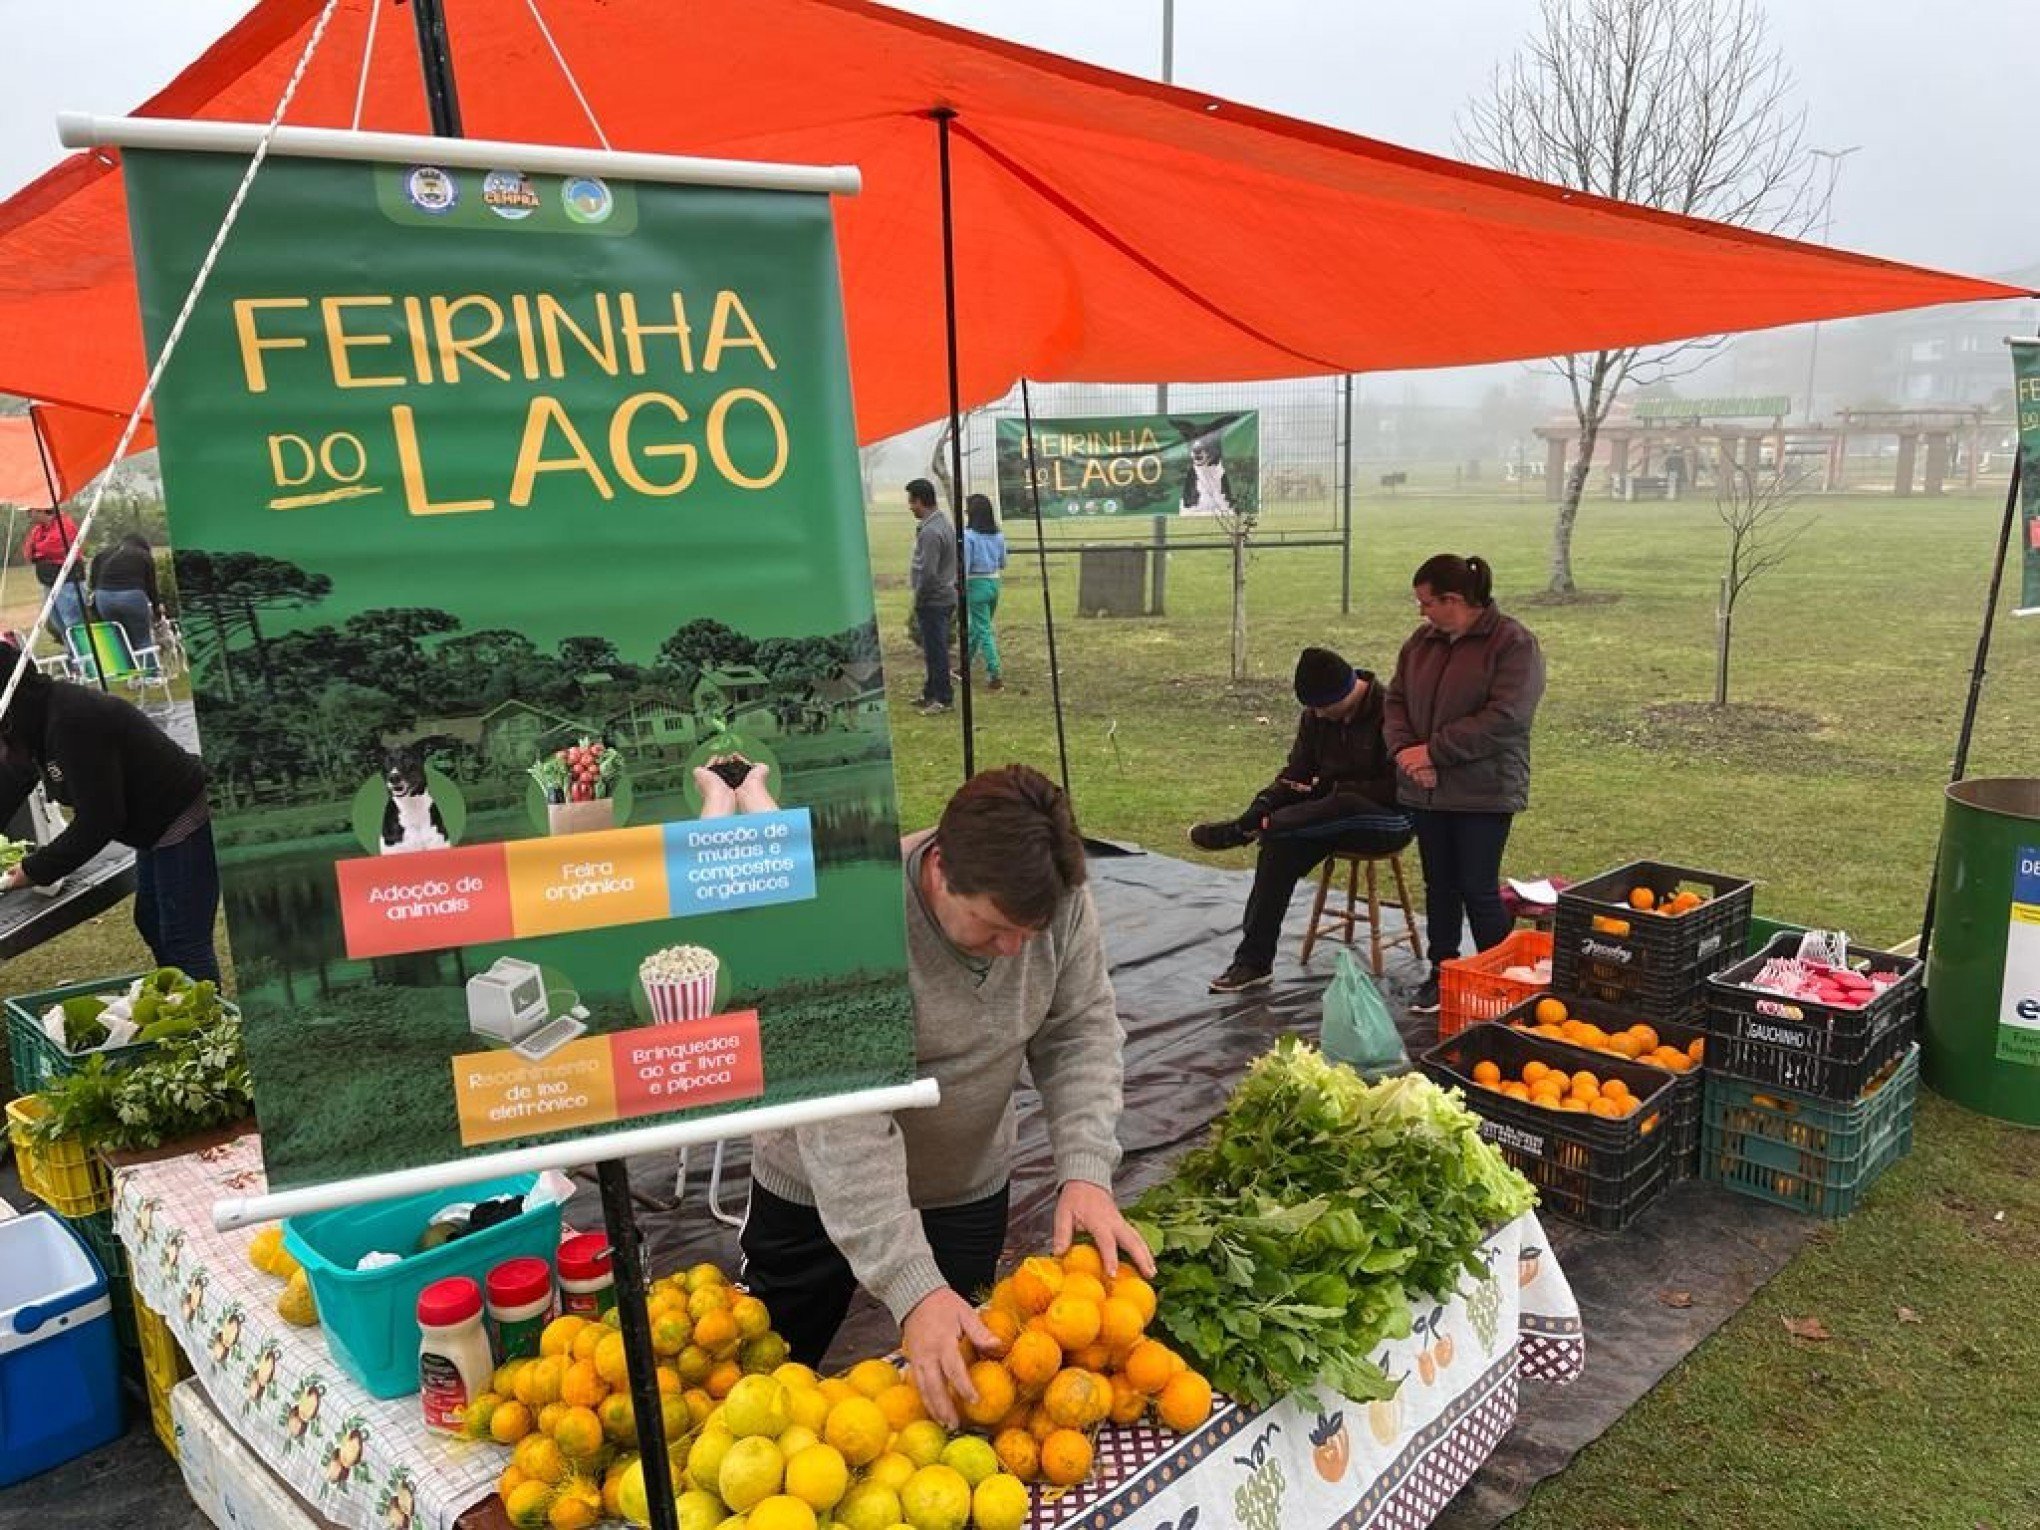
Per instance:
x=1683, y=105
x=1753, y=504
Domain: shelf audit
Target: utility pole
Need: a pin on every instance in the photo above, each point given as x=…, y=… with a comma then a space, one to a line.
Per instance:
x=1834, y=158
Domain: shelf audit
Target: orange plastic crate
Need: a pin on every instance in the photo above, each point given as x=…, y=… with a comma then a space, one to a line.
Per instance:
x=1472, y=988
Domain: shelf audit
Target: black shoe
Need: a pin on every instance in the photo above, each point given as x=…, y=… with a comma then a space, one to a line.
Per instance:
x=1425, y=1000
x=1238, y=977
x=1227, y=835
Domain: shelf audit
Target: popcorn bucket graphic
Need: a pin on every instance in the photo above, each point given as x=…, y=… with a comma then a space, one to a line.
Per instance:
x=680, y=983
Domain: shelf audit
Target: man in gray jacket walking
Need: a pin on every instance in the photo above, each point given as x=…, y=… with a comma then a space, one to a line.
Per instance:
x=932, y=577
x=1008, y=971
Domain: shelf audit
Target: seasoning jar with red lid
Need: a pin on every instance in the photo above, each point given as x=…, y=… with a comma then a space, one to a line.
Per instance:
x=454, y=1364
x=520, y=1305
x=587, y=1280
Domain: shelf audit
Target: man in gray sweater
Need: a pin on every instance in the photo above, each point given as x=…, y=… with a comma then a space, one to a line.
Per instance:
x=1008, y=971
x=932, y=576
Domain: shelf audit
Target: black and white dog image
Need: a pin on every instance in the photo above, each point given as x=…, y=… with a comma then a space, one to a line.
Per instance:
x=411, y=819
x=1206, y=489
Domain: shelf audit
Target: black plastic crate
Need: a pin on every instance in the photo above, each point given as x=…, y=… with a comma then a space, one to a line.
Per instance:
x=1684, y=1146
x=1589, y=1169
x=1640, y=959
x=1802, y=1152
x=1814, y=1049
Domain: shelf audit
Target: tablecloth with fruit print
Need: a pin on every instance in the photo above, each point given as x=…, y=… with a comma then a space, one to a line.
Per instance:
x=1340, y=1465
x=361, y=1463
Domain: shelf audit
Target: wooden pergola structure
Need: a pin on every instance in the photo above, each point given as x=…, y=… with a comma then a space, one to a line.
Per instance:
x=1659, y=458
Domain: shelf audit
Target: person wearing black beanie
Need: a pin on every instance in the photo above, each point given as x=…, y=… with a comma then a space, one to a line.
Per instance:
x=1336, y=792
x=124, y=779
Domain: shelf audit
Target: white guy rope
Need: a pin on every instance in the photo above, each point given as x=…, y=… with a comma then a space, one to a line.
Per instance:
x=134, y=419
x=367, y=57
x=572, y=84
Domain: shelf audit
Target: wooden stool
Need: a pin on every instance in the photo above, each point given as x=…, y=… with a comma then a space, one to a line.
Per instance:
x=1324, y=923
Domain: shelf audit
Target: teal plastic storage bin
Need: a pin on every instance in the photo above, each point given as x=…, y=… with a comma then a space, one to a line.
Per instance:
x=371, y=1316
x=59, y=1373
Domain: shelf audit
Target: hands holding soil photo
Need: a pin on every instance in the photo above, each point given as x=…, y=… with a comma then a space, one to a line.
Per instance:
x=731, y=784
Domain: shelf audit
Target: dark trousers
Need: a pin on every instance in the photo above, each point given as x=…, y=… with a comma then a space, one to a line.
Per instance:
x=177, y=897
x=806, y=1283
x=1287, y=858
x=1462, y=855
x=935, y=622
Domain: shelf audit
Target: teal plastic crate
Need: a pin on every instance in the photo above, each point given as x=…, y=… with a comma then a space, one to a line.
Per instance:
x=1803, y=1152
x=98, y=1235
x=371, y=1316
x=35, y=1059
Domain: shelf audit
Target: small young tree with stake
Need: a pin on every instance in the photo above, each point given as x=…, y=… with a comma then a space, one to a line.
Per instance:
x=1752, y=504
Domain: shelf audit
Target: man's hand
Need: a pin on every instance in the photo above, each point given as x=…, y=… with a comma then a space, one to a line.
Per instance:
x=1415, y=762
x=1087, y=1208
x=932, y=1339
x=12, y=878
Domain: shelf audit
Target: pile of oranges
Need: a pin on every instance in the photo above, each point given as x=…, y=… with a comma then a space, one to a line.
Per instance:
x=1077, y=1356
x=566, y=1414
x=1638, y=1043
x=1681, y=900
x=1555, y=1089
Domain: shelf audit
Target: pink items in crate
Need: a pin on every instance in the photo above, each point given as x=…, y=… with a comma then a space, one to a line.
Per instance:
x=1819, y=983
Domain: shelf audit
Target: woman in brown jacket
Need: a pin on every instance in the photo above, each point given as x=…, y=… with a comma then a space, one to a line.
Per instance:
x=1457, y=720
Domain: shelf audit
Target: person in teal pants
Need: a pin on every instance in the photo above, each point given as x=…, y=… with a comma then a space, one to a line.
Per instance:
x=984, y=560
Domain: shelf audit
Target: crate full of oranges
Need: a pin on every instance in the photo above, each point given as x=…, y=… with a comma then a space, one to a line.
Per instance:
x=1590, y=1129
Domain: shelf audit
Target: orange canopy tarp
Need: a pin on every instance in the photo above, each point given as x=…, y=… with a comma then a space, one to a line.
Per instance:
x=1107, y=228
x=67, y=445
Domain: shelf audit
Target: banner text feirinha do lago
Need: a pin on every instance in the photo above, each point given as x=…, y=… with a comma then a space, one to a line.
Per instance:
x=647, y=440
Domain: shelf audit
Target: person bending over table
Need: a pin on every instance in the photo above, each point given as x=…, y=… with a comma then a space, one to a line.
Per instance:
x=1008, y=970
x=124, y=779
x=1337, y=792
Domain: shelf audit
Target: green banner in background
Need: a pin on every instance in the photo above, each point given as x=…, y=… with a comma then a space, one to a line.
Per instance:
x=2026, y=399
x=521, y=552
x=1189, y=464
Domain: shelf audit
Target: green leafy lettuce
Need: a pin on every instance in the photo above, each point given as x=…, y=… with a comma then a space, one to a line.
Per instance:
x=1293, y=1241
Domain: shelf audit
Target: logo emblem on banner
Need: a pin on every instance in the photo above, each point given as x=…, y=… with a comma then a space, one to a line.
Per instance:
x=587, y=199
x=431, y=189
x=509, y=194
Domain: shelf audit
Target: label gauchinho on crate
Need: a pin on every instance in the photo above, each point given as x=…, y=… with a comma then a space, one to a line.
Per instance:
x=520, y=540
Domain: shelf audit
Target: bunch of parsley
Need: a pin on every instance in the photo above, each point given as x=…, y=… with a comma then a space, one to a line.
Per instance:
x=1292, y=1242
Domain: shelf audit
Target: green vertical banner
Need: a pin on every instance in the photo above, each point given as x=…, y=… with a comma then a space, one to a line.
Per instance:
x=1187, y=464
x=2026, y=399
x=520, y=550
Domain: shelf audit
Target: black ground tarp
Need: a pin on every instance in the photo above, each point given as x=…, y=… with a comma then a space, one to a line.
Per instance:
x=1169, y=927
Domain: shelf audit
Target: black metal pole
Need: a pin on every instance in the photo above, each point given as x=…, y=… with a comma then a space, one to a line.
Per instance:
x=49, y=473
x=1976, y=673
x=636, y=1325
x=1062, y=748
x=1346, y=498
x=943, y=116
x=436, y=56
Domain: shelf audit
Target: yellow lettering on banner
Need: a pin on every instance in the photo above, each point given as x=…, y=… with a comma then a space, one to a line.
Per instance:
x=730, y=311
x=527, y=344
x=499, y=1095
x=624, y=455
x=421, y=342
x=2029, y=390
x=417, y=498
x=253, y=344
x=718, y=442
x=635, y=330
x=452, y=346
x=338, y=342
x=554, y=319
x=544, y=415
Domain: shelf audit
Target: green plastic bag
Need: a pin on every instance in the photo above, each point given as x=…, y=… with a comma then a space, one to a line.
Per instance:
x=1357, y=1029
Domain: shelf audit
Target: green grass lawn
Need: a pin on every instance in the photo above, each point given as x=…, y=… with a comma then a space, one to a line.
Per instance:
x=1824, y=781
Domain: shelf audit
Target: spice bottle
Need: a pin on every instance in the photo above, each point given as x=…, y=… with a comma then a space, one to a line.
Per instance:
x=587, y=1283
x=520, y=1305
x=453, y=1351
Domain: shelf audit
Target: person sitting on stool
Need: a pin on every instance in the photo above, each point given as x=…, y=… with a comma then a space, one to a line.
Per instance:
x=1337, y=793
